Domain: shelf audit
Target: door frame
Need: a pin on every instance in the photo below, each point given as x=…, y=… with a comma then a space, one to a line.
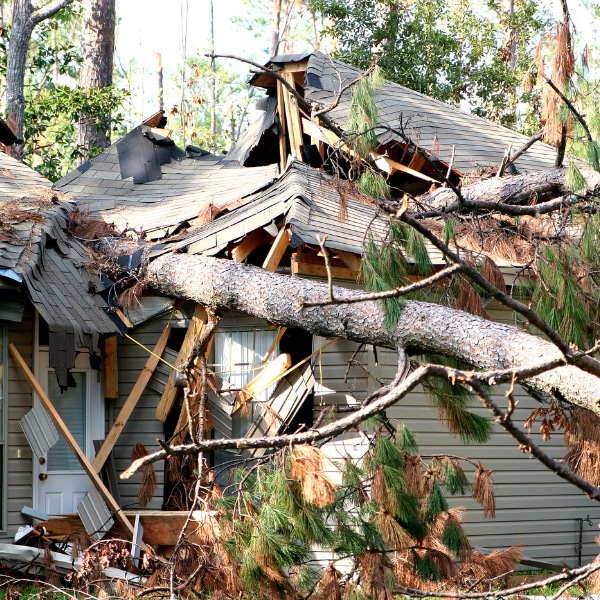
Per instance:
x=95, y=393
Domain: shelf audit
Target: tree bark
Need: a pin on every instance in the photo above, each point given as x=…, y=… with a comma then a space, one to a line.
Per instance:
x=514, y=189
x=422, y=327
x=275, y=19
x=97, y=45
x=24, y=20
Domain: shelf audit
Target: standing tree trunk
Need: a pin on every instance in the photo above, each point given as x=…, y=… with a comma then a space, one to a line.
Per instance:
x=97, y=45
x=24, y=20
x=275, y=20
x=159, y=80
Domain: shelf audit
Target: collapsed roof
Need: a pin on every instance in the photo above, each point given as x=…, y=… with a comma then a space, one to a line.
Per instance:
x=190, y=200
x=432, y=125
x=37, y=251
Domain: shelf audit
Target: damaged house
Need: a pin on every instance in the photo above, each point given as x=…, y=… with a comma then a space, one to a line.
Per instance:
x=108, y=368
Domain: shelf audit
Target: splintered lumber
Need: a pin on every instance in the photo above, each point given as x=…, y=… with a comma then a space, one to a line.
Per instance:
x=282, y=139
x=383, y=162
x=72, y=443
x=262, y=381
x=352, y=261
x=417, y=161
x=277, y=250
x=294, y=127
x=132, y=399
x=270, y=351
x=390, y=166
x=251, y=242
x=170, y=393
x=111, y=368
x=160, y=527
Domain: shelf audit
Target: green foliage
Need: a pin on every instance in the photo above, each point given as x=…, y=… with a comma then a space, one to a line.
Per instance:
x=406, y=439
x=450, y=52
x=454, y=538
x=53, y=100
x=454, y=478
x=426, y=568
x=452, y=400
x=191, y=122
x=436, y=503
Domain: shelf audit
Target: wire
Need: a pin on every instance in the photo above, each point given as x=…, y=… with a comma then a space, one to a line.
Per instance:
x=153, y=354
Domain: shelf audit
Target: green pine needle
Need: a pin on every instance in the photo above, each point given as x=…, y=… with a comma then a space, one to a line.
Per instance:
x=454, y=538
x=386, y=453
x=406, y=439
x=436, y=503
x=426, y=568
x=454, y=477
x=575, y=180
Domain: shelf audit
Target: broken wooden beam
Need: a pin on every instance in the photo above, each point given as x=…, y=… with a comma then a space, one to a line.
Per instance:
x=262, y=381
x=111, y=368
x=132, y=399
x=170, y=392
x=277, y=250
x=251, y=242
x=71, y=442
x=383, y=162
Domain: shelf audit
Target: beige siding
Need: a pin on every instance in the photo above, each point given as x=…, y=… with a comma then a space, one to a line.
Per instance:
x=533, y=505
x=142, y=426
x=20, y=488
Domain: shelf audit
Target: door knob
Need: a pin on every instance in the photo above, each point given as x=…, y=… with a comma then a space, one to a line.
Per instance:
x=43, y=476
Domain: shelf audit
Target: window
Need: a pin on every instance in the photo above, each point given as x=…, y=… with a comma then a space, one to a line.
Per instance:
x=237, y=360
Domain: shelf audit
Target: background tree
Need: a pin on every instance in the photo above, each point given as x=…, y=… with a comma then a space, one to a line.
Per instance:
x=451, y=52
x=98, y=46
x=24, y=20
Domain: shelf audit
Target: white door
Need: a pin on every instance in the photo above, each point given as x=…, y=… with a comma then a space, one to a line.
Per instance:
x=60, y=483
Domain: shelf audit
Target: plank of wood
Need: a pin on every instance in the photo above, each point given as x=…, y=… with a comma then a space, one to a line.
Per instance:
x=160, y=527
x=301, y=267
x=351, y=260
x=294, y=127
x=123, y=318
x=132, y=399
x=390, y=166
x=417, y=161
x=383, y=162
x=170, y=392
x=282, y=138
x=262, y=381
x=296, y=67
x=71, y=442
x=251, y=242
x=277, y=250
x=111, y=368
x=278, y=337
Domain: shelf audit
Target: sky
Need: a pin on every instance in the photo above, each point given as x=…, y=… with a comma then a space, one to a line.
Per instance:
x=150, y=26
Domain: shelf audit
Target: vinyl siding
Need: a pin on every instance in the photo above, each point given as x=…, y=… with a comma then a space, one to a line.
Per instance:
x=533, y=505
x=19, y=402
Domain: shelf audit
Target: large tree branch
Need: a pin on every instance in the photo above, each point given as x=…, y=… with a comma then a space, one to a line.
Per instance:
x=422, y=326
x=48, y=10
x=279, y=441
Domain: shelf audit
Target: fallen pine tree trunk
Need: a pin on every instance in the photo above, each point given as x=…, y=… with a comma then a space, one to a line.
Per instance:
x=525, y=188
x=422, y=327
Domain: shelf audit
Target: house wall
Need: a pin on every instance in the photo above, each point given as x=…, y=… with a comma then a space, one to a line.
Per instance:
x=533, y=505
x=20, y=398
x=142, y=426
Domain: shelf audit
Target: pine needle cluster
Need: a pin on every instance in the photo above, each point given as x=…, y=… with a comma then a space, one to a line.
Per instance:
x=387, y=514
